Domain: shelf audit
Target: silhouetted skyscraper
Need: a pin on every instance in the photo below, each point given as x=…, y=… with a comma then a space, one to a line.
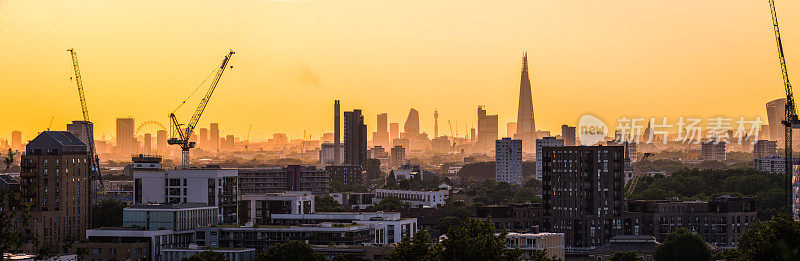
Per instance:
x=213, y=140
x=381, y=136
x=435, y=124
x=568, y=134
x=412, y=122
x=161, y=141
x=202, y=142
x=355, y=138
x=394, y=130
x=511, y=129
x=125, y=140
x=16, y=140
x=487, y=130
x=148, y=147
x=337, y=156
x=776, y=112
x=526, y=126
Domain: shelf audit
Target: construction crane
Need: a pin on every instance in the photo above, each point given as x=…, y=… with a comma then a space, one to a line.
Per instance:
x=453, y=147
x=94, y=159
x=791, y=121
x=185, y=134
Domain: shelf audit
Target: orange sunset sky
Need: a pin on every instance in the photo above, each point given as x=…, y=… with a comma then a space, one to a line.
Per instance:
x=646, y=58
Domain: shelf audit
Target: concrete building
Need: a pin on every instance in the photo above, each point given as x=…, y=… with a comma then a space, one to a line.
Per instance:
x=126, y=142
x=337, y=125
x=541, y=143
x=526, y=125
x=513, y=217
x=408, y=171
x=258, y=208
x=508, y=161
x=713, y=151
x=161, y=142
x=380, y=153
x=582, y=193
x=346, y=174
x=394, y=131
x=202, y=141
x=177, y=217
x=277, y=180
x=327, y=154
x=215, y=187
x=551, y=243
x=720, y=222
x=261, y=237
x=355, y=138
x=568, y=134
x=417, y=199
x=389, y=227
x=773, y=164
x=487, y=130
x=764, y=148
x=353, y=200
x=80, y=130
x=55, y=181
x=398, y=155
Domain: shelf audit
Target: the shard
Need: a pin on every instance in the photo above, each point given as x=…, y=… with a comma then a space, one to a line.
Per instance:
x=526, y=126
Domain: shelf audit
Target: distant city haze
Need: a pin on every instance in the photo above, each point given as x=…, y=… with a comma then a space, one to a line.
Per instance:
x=609, y=58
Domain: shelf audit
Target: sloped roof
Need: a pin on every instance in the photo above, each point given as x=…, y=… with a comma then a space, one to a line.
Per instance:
x=60, y=140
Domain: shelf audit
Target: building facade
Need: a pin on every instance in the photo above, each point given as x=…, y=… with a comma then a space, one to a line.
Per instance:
x=277, y=180
x=416, y=199
x=355, y=138
x=541, y=143
x=346, y=174
x=764, y=148
x=508, y=161
x=582, y=193
x=55, y=182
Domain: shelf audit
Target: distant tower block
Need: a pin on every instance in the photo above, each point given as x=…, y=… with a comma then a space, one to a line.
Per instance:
x=526, y=126
x=436, y=124
x=337, y=156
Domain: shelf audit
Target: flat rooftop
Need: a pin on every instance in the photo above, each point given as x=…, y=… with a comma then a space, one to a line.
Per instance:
x=169, y=206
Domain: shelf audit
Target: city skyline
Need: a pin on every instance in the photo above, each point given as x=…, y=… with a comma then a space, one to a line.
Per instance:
x=740, y=48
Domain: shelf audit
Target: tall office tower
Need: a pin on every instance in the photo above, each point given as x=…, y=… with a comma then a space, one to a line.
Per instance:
x=337, y=157
x=381, y=135
x=487, y=130
x=508, y=161
x=394, y=130
x=125, y=140
x=776, y=112
x=412, y=122
x=355, y=138
x=398, y=155
x=16, y=140
x=148, y=143
x=511, y=129
x=541, y=143
x=582, y=188
x=202, y=142
x=161, y=141
x=526, y=126
x=764, y=148
x=568, y=134
x=56, y=182
x=213, y=139
x=435, y=124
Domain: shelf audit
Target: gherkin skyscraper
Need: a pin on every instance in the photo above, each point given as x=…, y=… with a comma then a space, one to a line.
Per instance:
x=526, y=126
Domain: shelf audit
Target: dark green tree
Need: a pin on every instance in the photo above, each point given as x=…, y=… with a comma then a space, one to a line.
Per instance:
x=391, y=181
x=777, y=239
x=14, y=218
x=682, y=244
x=290, y=251
x=446, y=223
x=373, y=169
x=9, y=159
x=421, y=247
x=541, y=255
x=624, y=256
x=326, y=204
x=390, y=203
x=107, y=213
x=475, y=239
x=207, y=255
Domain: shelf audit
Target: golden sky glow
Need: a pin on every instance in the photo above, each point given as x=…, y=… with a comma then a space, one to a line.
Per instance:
x=293, y=58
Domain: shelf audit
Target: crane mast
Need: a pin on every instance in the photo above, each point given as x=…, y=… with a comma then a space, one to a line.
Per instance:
x=185, y=134
x=791, y=121
x=94, y=159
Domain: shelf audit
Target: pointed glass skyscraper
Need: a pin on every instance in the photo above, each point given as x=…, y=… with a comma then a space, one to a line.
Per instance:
x=526, y=126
